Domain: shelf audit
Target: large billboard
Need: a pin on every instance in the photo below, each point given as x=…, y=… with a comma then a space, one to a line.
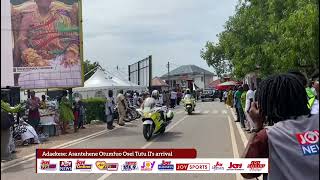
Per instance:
x=141, y=72
x=47, y=43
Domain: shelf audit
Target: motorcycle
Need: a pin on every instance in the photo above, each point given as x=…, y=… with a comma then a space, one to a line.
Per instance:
x=155, y=120
x=189, y=104
x=130, y=115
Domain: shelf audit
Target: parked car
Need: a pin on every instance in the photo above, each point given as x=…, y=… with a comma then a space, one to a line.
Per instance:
x=208, y=94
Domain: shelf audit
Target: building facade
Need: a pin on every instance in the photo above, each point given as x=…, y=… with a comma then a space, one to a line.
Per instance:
x=189, y=76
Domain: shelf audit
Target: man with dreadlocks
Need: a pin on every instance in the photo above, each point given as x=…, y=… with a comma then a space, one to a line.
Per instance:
x=292, y=143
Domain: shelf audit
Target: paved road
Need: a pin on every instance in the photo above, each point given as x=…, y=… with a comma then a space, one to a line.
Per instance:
x=211, y=130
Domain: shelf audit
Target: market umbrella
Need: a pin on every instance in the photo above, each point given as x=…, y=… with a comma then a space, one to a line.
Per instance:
x=227, y=85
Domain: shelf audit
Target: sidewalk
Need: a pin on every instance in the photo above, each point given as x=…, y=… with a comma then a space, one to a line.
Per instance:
x=57, y=140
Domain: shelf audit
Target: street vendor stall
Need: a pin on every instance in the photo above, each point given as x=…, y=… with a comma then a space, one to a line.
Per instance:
x=49, y=119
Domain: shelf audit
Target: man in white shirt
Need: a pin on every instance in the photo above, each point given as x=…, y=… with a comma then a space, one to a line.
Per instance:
x=249, y=100
x=173, y=98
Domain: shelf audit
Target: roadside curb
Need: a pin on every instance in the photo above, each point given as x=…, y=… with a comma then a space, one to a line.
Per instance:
x=9, y=164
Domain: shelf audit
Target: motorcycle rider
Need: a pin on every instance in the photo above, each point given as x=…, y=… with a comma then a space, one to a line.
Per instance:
x=154, y=101
x=187, y=94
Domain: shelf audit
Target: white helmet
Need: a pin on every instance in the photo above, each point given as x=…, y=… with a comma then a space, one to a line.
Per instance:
x=155, y=94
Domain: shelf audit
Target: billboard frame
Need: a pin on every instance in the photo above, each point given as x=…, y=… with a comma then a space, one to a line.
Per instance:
x=80, y=20
x=139, y=68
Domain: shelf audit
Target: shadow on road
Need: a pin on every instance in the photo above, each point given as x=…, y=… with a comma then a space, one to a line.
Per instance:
x=168, y=136
x=21, y=167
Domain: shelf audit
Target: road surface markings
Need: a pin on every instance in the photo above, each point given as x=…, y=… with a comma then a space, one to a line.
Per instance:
x=215, y=112
x=234, y=145
x=30, y=157
x=105, y=176
x=224, y=112
x=205, y=112
x=241, y=132
x=242, y=135
x=178, y=112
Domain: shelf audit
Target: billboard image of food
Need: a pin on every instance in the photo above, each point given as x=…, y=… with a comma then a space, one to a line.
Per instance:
x=47, y=48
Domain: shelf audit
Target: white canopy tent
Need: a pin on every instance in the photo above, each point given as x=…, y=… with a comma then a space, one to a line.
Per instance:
x=99, y=84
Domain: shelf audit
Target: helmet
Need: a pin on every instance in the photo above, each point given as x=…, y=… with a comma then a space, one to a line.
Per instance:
x=155, y=94
x=187, y=91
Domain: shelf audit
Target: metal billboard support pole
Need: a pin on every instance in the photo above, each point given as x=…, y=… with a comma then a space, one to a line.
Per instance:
x=150, y=71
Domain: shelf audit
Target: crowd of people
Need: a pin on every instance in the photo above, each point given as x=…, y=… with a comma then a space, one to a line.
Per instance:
x=282, y=114
x=29, y=128
x=117, y=108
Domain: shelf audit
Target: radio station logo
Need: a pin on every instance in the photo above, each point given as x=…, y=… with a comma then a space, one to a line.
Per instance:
x=130, y=166
x=101, y=165
x=256, y=166
x=65, y=165
x=309, y=142
x=218, y=166
x=166, y=166
x=235, y=167
x=45, y=165
x=147, y=166
x=82, y=165
x=112, y=166
x=193, y=167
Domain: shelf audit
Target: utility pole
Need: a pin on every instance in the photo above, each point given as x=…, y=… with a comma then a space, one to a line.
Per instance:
x=168, y=66
x=204, y=80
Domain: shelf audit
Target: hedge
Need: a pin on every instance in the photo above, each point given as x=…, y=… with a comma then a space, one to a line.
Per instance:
x=95, y=109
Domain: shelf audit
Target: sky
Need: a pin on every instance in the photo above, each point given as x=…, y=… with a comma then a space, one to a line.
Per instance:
x=122, y=32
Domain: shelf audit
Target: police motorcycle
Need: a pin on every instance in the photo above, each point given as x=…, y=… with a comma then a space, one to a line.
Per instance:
x=155, y=117
x=189, y=102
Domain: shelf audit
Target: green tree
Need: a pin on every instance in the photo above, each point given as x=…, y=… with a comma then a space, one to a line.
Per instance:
x=88, y=67
x=270, y=36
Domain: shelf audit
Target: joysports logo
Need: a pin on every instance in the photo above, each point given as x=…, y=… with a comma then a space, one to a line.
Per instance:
x=256, y=166
x=166, y=166
x=45, y=165
x=193, y=167
x=147, y=166
x=309, y=142
x=130, y=166
x=218, y=166
x=235, y=167
x=65, y=165
x=83, y=165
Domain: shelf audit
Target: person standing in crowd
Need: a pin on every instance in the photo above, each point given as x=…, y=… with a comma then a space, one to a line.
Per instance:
x=315, y=107
x=140, y=100
x=33, y=104
x=221, y=95
x=173, y=98
x=122, y=107
x=249, y=100
x=310, y=94
x=225, y=96
x=82, y=115
x=6, y=125
x=230, y=98
x=43, y=102
x=165, y=98
x=239, y=107
x=179, y=97
x=135, y=99
x=281, y=101
x=65, y=110
x=109, y=110
x=77, y=112
x=235, y=90
x=243, y=104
